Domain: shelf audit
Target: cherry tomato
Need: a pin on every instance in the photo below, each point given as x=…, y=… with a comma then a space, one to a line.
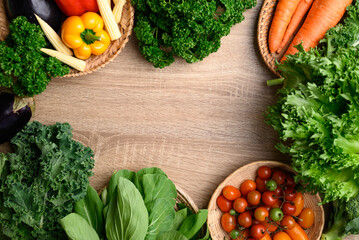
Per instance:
x=224, y=204
x=276, y=214
x=289, y=181
x=290, y=194
x=245, y=219
x=289, y=208
x=307, y=217
x=264, y=172
x=228, y=222
x=254, y=198
x=279, y=177
x=244, y=234
x=266, y=237
x=255, y=221
x=288, y=222
x=281, y=236
x=269, y=225
x=261, y=213
x=234, y=234
x=269, y=199
x=278, y=204
x=258, y=231
x=297, y=233
x=240, y=205
x=248, y=186
x=278, y=191
x=299, y=203
x=261, y=184
x=231, y=193
x=271, y=185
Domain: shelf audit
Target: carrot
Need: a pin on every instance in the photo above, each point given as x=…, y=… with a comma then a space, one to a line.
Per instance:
x=323, y=15
x=281, y=19
x=298, y=16
x=297, y=233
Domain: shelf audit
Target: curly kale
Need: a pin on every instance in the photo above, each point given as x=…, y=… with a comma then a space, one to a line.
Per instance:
x=40, y=182
x=23, y=67
x=190, y=29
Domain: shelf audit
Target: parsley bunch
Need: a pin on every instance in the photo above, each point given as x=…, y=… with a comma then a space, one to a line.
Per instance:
x=23, y=67
x=190, y=29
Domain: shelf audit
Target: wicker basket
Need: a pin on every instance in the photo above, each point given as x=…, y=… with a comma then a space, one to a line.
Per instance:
x=264, y=22
x=94, y=62
x=249, y=172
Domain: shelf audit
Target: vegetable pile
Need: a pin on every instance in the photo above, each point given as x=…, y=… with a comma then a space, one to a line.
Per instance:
x=266, y=208
x=317, y=120
x=134, y=206
x=23, y=67
x=41, y=181
x=189, y=29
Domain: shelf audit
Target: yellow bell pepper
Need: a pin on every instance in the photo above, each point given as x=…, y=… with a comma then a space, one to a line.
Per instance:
x=85, y=35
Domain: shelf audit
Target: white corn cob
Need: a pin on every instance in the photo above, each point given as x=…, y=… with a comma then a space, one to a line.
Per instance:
x=117, y=10
x=71, y=61
x=54, y=39
x=109, y=19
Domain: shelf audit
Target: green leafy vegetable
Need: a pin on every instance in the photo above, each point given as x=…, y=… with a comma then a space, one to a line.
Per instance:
x=114, y=182
x=77, y=228
x=127, y=217
x=90, y=208
x=173, y=235
x=23, y=67
x=189, y=29
x=317, y=118
x=193, y=223
x=180, y=216
x=47, y=173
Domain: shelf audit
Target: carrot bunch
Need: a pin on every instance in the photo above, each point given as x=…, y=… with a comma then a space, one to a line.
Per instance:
x=322, y=15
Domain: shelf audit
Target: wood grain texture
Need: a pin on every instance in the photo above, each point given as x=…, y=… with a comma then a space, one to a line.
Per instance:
x=198, y=122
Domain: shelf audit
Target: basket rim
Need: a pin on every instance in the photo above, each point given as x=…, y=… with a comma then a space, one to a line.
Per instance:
x=264, y=21
x=212, y=205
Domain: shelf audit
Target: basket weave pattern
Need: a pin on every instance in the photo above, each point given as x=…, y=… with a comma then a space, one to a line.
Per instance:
x=94, y=62
x=249, y=172
x=264, y=22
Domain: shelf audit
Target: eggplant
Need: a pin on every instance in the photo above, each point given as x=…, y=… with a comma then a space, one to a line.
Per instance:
x=47, y=10
x=15, y=113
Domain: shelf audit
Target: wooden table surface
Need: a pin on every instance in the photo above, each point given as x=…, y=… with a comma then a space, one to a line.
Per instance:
x=198, y=122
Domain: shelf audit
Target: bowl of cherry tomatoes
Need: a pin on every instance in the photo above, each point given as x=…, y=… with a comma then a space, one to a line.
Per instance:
x=261, y=201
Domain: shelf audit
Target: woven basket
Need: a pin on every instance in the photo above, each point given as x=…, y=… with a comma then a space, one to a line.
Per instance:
x=94, y=62
x=264, y=22
x=249, y=172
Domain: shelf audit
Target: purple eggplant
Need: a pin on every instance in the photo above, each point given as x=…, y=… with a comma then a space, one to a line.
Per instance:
x=15, y=113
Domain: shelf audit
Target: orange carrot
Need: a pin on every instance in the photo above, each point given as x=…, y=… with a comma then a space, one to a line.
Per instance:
x=323, y=15
x=298, y=16
x=281, y=19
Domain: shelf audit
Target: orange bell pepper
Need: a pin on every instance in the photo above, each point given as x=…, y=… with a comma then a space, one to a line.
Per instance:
x=85, y=35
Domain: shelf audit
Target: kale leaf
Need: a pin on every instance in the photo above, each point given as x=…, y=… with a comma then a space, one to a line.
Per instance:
x=23, y=67
x=41, y=181
x=190, y=29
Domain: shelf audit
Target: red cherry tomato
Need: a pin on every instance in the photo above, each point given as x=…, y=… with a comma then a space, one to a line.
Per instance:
x=224, y=204
x=278, y=204
x=288, y=222
x=254, y=198
x=261, y=184
x=261, y=213
x=307, y=217
x=290, y=194
x=269, y=225
x=258, y=231
x=228, y=222
x=289, y=181
x=279, y=177
x=245, y=219
x=231, y=193
x=264, y=172
x=269, y=199
x=289, y=208
x=248, y=186
x=278, y=191
x=240, y=205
